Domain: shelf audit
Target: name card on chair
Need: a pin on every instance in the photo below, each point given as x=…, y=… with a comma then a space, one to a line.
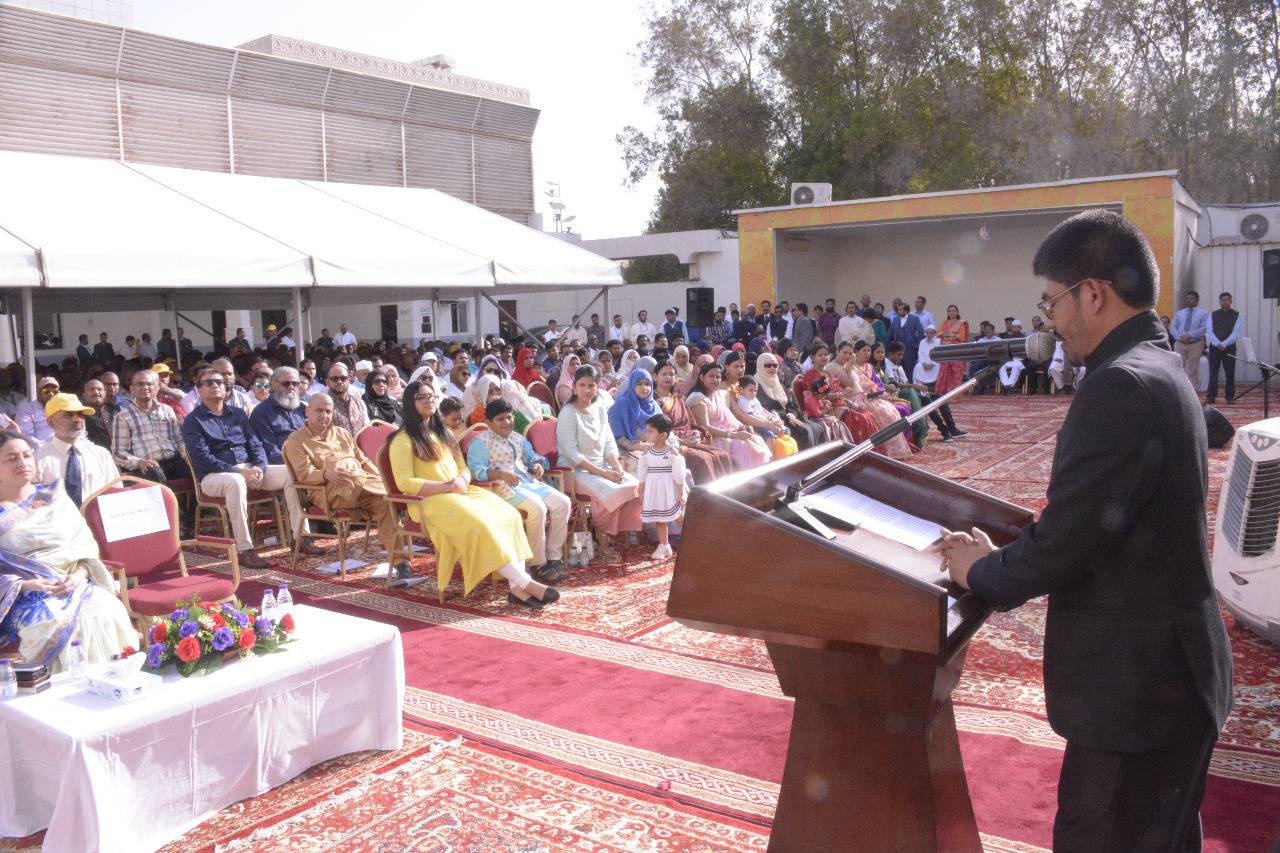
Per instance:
x=132, y=513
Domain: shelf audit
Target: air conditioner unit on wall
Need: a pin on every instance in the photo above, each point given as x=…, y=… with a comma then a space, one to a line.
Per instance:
x=1254, y=225
x=810, y=193
x=1246, y=562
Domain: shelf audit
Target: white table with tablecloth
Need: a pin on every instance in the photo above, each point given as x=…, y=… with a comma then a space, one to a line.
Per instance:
x=133, y=776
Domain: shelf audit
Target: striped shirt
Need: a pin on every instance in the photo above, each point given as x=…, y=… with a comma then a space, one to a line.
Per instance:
x=138, y=435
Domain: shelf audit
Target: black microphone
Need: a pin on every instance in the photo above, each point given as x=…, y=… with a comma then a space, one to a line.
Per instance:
x=1038, y=347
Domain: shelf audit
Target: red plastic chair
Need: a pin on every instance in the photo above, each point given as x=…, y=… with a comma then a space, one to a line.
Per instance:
x=540, y=392
x=156, y=559
x=373, y=436
x=542, y=435
x=407, y=529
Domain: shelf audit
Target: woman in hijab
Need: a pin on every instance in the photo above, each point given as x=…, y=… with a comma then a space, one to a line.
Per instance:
x=525, y=370
x=683, y=365
x=487, y=387
x=775, y=398
x=627, y=364
x=376, y=401
x=490, y=363
x=526, y=409
x=631, y=409
x=564, y=386
x=395, y=385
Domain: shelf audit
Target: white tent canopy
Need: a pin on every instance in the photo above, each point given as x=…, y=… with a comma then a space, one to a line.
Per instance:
x=17, y=262
x=522, y=257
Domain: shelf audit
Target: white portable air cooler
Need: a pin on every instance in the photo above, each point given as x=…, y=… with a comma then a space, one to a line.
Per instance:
x=1246, y=563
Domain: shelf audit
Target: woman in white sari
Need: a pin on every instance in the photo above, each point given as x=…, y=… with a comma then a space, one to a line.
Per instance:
x=53, y=587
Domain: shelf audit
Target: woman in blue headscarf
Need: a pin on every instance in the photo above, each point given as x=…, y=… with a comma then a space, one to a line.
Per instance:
x=633, y=406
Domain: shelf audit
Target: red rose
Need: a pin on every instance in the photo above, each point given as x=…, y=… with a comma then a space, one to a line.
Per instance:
x=218, y=621
x=128, y=651
x=208, y=606
x=188, y=649
x=287, y=623
x=159, y=632
x=248, y=639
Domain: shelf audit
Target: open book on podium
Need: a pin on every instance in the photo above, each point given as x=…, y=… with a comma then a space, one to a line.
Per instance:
x=864, y=629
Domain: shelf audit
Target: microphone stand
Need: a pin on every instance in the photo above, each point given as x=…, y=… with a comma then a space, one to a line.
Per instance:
x=1268, y=373
x=794, y=501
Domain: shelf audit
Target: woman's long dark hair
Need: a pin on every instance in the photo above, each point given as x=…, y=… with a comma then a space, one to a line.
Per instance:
x=703, y=371
x=420, y=431
x=582, y=371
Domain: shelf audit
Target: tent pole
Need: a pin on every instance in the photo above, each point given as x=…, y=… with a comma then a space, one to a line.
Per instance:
x=177, y=344
x=297, y=314
x=475, y=302
x=608, y=317
x=537, y=344
x=29, y=340
x=582, y=312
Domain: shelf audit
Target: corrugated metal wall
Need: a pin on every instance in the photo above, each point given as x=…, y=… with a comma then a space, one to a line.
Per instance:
x=1237, y=269
x=70, y=86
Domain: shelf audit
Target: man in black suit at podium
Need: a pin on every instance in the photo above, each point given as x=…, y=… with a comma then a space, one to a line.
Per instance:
x=1137, y=665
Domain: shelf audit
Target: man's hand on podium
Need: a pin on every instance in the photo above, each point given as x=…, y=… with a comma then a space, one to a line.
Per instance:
x=961, y=550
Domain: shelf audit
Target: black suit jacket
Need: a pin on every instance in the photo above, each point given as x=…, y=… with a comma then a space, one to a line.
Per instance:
x=1136, y=656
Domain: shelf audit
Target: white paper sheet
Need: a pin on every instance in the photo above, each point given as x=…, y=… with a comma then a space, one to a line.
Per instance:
x=134, y=512
x=845, y=503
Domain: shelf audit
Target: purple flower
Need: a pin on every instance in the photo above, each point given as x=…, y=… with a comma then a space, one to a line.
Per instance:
x=178, y=615
x=262, y=625
x=227, y=607
x=241, y=619
x=155, y=655
x=188, y=628
x=223, y=639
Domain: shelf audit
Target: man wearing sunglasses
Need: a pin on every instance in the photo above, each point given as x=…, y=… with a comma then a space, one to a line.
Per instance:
x=229, y=460
x=349, y=411
x=1136, y=658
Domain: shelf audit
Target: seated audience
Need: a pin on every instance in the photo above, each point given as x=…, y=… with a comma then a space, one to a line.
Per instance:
x=526, y=409
x=466, y=523
x=704, y=460
x=502, y=455
x=709, y=405
x=69, y=456
x=349, y=411
x=776, y=397
x=917, y=394
x=53, y=586
x=853, y=370
x=97, y=425
x=145, y=439
x=564, y=383
x=229, y=460
x=322, y=453
x=236, y=397
x=260, y=386
x=377, y=402
x=767, y=425
x=485, y=389
x=451, y=415
x=31, y=418
x=526, y=367
x=630, y=413
x=459, y=376
x=395, y=384
x=280, y=415
x=585, y=441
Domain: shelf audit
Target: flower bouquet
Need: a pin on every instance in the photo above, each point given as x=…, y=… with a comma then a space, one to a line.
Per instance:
x=200, y=635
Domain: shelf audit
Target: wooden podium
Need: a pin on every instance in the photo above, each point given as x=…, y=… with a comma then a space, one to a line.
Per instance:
x=869, y=649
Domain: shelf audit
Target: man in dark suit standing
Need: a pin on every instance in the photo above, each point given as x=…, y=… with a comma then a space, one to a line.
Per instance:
x=907, y=330
x=84, y=354
x=1136, y=658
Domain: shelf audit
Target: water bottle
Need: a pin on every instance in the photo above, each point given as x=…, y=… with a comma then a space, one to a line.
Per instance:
x=8, y=679
x=268, y=608
x=284, y=601
x=77, y=662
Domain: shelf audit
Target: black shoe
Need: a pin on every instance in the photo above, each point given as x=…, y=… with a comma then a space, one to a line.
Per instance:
x=552, y=571
x=403, y=571
x=550, y=595
x=957, y=433
x=946, y=436
x=529, y=602
x=1231, y=401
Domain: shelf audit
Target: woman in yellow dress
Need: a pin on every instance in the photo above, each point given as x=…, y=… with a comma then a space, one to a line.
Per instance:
x=465, y=522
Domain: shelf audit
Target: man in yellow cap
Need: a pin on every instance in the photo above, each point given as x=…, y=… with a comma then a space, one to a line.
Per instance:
x=82, y=466
x=31, y=417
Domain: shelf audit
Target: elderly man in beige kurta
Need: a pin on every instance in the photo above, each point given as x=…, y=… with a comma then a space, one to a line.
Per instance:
x=322, y=453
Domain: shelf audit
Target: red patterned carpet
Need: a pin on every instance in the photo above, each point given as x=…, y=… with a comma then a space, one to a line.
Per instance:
x=599, y=724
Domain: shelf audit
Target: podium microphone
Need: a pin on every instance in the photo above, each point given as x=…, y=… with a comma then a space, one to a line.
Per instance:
x=1038, y=347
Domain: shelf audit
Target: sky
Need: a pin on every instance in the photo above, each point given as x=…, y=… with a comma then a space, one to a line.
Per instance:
x=576, y=58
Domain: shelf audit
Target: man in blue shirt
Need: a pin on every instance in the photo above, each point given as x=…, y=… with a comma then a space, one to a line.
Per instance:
x=906, y=328
x=1189, y=328
x=1223, y=332
x=229, y=460
x=275, y=419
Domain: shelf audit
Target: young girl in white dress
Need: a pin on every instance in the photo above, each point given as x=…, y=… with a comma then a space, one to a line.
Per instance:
x=662, y=481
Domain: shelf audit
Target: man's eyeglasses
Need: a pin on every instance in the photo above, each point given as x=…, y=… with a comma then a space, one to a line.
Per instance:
x=291, y=383
x=262, y=385
x=339, y=378
x=211, y=383
x=1045, y=306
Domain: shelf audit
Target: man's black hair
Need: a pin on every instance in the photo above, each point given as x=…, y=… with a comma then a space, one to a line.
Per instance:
x=1104, y=245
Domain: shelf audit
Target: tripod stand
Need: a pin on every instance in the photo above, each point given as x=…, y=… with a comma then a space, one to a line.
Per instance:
x=1268, y=373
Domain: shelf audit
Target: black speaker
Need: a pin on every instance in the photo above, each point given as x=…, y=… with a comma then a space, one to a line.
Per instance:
x=1271, y=274
x=700, y=307
x=1218, y=427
